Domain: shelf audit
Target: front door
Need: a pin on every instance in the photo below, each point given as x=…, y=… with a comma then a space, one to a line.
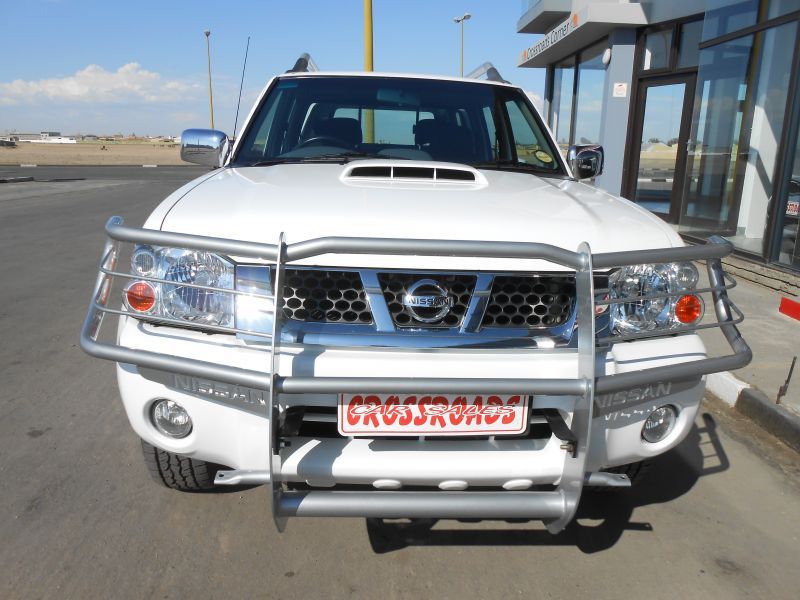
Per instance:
x=660, y=133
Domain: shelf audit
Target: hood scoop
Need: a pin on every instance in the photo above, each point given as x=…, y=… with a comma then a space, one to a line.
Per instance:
x=412, y=171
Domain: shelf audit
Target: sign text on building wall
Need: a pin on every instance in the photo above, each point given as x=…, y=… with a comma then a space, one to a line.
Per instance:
x=552, y=37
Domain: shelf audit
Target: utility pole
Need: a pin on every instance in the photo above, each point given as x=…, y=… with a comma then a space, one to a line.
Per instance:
x=461, y=19
x=210, y=93
x=369, y=114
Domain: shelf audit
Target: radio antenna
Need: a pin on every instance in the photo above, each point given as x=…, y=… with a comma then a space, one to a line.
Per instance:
x=244, y=66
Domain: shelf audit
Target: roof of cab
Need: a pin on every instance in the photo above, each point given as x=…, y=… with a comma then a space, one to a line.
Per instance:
x=394, y=75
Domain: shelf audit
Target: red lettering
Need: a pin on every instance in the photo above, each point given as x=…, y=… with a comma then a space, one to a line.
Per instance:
x=372, y=417
x=423, y=416
x=391, y=413
x=493, y=402
x=409, y=414
x=438, y=419
x=352, y=417
x=475, y=413
x=457, y=415
x=509, y=417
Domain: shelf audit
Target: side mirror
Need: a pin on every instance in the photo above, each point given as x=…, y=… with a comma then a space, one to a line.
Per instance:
x=207, y=147
x=586, y=162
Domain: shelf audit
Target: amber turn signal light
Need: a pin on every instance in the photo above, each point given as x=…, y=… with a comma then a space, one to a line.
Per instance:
x=688, y=309
x=141, y=296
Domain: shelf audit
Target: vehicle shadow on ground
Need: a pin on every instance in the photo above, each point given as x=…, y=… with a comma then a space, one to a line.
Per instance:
x=668, y=477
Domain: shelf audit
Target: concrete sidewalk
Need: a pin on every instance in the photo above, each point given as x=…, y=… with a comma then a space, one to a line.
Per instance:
x=775, y=340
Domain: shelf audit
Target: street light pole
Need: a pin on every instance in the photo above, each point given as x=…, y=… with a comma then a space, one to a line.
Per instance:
x=369, y=114
x=210, y=93
x=461, y=19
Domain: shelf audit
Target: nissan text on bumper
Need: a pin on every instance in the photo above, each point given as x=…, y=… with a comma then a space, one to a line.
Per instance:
x=384, y=329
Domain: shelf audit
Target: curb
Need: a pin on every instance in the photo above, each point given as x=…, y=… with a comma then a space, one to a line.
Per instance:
x=726, y=386
x=774, y=418
x=754, y=404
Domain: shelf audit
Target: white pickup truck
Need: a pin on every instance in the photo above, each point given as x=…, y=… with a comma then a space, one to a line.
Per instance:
x=393, y=298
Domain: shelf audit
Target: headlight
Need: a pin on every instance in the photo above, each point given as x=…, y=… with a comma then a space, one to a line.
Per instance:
x=196, y=304
x=181, y=300
x=672, y=284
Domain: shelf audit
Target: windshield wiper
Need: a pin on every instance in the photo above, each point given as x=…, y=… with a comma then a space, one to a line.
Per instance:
x=339, y=157
x=513, y=165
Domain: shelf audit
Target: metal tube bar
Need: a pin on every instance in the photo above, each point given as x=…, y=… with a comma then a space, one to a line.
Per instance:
x=184, y=324
x=243, y=477
x=198, y=286
x=123, y=233
x=666, y=332
x=715, y=249
x=273, y=406
x=574, y=471
x=632, y=299
x=723, y=306
x=428, y=385
x=443, y=505
x=176, y=364
x=399, y=246
x=686, y=371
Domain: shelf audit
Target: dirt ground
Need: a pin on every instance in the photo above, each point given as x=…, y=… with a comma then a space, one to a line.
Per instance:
x=91, y=154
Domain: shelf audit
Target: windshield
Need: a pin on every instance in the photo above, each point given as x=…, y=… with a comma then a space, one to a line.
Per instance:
x=321, y=118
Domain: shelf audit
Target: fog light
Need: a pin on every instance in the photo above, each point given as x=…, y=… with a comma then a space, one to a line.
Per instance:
x=171, y=419
x=659, y=424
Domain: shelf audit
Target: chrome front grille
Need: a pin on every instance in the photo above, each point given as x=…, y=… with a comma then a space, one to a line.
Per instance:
x=497, y=306
x=530, y=301
x=322, y=296
x=396, y=285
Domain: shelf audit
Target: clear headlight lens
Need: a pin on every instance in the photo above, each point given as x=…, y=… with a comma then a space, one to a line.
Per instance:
x=196, y=304
x=671, y=281
x=186, y=268
x=144, y=261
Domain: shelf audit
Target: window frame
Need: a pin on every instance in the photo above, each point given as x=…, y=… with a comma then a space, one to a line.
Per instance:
x=576, y=60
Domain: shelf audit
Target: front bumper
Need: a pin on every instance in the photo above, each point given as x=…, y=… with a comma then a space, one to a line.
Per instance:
x=591, y=387
x=229, y=420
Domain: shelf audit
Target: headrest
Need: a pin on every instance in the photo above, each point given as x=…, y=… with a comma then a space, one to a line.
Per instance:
x=342, y=128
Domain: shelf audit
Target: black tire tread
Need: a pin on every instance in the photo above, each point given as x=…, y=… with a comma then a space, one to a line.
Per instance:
x=179, y=472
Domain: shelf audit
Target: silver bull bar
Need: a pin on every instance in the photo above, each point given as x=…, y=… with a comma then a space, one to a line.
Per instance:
x=555, y=508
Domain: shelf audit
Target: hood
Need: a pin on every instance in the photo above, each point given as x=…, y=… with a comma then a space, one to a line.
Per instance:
x=307, y=201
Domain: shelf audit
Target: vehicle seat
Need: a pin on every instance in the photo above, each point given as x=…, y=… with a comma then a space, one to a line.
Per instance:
x=444, y=141
x=341, y=128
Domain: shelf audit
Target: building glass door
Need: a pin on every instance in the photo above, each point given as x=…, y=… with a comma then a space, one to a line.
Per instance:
x=661, y=131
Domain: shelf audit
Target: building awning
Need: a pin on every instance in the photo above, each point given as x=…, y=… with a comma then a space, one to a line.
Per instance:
x=542, y=15
x=581, y=28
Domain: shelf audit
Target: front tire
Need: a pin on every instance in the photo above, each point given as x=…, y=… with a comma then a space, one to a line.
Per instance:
x=179, y=472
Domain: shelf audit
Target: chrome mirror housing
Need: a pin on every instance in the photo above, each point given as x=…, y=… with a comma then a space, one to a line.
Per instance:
x=207, y=147
x=586, y=162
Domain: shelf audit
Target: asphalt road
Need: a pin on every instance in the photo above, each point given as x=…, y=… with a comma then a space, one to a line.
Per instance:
x=79, y=517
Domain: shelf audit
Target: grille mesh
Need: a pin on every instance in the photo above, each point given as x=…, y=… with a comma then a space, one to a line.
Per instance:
x=530, y=301
x=325, y=297
x=395, y=286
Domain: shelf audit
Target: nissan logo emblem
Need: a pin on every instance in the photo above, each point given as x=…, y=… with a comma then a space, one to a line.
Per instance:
x=427, y=301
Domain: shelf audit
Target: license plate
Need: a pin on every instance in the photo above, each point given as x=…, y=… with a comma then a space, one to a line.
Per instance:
x=431, y=415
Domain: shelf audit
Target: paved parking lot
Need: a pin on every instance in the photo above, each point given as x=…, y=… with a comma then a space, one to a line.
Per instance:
x=79, y=518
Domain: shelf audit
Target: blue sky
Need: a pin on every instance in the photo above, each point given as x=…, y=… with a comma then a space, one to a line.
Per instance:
x=88, y=66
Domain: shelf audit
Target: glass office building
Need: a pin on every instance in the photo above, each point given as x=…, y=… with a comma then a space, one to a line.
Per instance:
x=695, y=102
